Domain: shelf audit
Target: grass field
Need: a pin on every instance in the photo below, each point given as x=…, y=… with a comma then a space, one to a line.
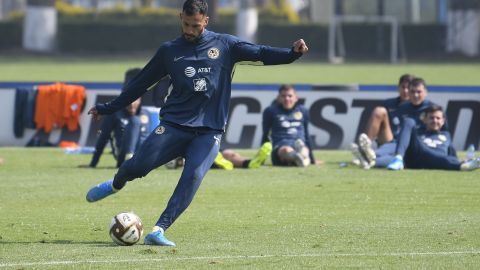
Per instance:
x=270, y=218
x=110, y=69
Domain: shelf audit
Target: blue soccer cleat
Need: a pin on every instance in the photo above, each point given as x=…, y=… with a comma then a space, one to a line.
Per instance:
x=100, y=191
x=396, y=164
x=157, y=239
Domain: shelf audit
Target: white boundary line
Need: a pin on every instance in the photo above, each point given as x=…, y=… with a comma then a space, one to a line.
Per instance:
x=393, y=254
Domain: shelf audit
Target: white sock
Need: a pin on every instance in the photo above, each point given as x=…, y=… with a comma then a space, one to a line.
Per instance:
x=158, y=228
x=399, y=157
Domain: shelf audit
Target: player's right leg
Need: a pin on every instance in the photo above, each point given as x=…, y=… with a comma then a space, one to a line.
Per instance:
x=378, y=126
x=161, y=146
x=366, y=148
x=199, y=157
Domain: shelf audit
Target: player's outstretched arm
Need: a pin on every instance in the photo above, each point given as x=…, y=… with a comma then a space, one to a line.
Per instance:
x=247, y=52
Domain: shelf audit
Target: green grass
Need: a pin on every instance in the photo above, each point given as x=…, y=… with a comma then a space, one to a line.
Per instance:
x=111, y=69
x=270, y=218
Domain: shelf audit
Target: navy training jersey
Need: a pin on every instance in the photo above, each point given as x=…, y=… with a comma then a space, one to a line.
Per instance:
x=439, y=142
x=407, y=109
x=286, y=126
x=201, y=75
x=392, y=105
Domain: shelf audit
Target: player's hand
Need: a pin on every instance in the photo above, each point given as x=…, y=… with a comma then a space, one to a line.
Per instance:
x=300, y=46
x=95, y=115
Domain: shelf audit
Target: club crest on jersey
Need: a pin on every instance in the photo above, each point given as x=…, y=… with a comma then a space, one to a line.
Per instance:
x=160, y=130
x=298, y=115
x=442, y=138
x=200, y=85
x=213, y=53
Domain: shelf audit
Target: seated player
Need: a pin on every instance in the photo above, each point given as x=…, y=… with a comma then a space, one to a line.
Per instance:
x=428, y=147
x=379, y=127
x=125, y=130
x=228, y=159
x=287, y=123
x=413, y=109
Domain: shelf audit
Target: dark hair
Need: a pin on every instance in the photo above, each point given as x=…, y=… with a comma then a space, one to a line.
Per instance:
x=284, y=87
x=192, y=7
x=434, y=108
x=405, y=78
x=416, y=82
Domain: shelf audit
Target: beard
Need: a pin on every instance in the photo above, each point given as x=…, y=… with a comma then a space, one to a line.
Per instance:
x=191, y=38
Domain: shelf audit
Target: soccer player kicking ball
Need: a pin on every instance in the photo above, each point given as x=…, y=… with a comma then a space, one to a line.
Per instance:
x=200, y=64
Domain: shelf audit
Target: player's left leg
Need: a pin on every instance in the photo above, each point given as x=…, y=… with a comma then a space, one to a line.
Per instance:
x=199, y=157
x=407, y=140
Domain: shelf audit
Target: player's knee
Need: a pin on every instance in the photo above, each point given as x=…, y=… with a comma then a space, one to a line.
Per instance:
x=409, y=122
x=128, y=171
x=379, y=112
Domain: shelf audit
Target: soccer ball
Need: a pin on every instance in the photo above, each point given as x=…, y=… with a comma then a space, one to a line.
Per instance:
x=126, y=229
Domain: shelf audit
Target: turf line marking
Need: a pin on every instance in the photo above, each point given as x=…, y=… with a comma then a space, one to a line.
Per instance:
x=199, y=258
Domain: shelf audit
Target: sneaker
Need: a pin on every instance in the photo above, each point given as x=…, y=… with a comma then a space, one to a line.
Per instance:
x=366, y=147
x=157, y=239
x=362, y=162
x=223, y=163
x=301, y=148
x=261, y=156
x=470, y=165
x=396, y=164
x=100, y=191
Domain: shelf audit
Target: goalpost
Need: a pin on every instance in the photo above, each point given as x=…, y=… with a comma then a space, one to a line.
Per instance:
x=336, y=42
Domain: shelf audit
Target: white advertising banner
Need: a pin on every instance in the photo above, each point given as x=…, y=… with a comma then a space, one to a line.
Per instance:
x=336, y=117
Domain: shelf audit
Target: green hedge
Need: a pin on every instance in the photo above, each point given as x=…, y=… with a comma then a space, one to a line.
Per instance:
x=374, y=41
x=109, y=37
x=361, y=41
x=11, y=35
x=283, y=35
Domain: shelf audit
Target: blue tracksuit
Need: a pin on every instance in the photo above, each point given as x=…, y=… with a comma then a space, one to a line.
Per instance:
x=194, y=115
x=386, y=151
x=124, y=131
x=392, y=105
x=423, y=149
x=409, y=110
x=285, y=127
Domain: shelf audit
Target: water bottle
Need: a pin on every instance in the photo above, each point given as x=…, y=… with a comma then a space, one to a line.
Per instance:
x=471, y=152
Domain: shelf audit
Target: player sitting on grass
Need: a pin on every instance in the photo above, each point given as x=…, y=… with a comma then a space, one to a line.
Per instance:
x=428, y=147
x=228, y=159
x=379, y=125
x=125, y=130
x=414, y=109
x=287, y=123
